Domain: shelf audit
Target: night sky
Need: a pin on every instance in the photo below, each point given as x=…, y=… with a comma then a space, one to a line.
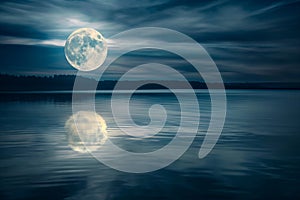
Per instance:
x=248, y=40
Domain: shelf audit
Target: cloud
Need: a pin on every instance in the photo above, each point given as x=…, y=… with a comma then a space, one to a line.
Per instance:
x=30, y=41
x=273, y=6
x=55, y=19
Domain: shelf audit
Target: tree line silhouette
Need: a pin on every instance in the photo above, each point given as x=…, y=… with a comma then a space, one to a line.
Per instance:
x=66, y=82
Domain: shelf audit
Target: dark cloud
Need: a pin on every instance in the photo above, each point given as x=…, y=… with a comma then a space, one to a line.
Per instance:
x=249, y=40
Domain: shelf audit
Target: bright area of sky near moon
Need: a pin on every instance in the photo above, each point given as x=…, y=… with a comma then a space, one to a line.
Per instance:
x=86, y=49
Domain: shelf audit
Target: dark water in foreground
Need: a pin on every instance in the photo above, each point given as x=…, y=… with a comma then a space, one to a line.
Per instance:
x=257, y=156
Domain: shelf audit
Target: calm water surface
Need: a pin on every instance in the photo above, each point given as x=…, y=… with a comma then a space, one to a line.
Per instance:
x=257, y=156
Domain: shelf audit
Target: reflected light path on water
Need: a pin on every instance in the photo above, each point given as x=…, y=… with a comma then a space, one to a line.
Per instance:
x=86, y=131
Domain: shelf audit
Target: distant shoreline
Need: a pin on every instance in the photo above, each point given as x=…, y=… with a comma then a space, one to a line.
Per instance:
x=60, y=83
x=147, y=91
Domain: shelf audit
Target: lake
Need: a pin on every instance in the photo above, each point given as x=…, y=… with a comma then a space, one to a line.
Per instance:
x=256, y=157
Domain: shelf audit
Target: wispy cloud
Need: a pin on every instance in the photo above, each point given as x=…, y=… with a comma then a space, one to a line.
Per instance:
x=30, y=41
x=53, y=20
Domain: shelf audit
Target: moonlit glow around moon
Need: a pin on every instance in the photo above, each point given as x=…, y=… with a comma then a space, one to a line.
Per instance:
x=86, y=49
x=86, y=131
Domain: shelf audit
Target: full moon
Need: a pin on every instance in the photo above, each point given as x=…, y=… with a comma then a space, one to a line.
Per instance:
x=86, y=49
